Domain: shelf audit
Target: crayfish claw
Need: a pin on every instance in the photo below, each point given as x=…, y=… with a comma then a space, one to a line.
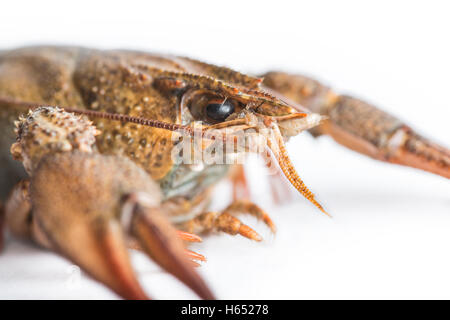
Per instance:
x=160, y=241
x=88, y=214
x=90, y=207
x=74, y=205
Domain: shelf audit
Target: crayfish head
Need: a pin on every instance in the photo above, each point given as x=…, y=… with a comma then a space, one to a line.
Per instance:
x=248, y=119
x=272, y=132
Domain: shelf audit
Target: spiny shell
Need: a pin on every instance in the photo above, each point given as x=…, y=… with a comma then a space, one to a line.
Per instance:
x=50, y=130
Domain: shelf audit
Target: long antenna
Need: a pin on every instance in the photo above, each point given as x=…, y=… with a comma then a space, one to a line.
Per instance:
x=138, y=120
x=187, y=130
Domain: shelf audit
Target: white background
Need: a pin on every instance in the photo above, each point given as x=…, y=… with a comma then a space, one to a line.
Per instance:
x=390, y=232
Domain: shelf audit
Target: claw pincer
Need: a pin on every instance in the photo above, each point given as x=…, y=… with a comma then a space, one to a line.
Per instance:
x=86, y=204
x=361, y=126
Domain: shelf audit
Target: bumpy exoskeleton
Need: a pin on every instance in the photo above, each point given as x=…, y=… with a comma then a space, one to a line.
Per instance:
x=101, y=174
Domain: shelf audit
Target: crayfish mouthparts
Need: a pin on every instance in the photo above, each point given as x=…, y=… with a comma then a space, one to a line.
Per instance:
x=253, y=132
x=271, y=133
x=277, y=147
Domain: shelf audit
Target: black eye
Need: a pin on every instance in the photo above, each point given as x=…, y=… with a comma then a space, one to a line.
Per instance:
x=219, y=111
x=208, y=107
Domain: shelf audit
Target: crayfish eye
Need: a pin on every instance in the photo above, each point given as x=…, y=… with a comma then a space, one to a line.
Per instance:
x=208, y=107
x=219, y=111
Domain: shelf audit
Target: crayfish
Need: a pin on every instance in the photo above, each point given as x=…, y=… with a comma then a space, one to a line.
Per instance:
x=102, y=151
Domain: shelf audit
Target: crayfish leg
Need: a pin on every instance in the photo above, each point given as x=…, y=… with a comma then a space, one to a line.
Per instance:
x=239, y=183
x=227, y=222
x=189, y=237
x=278, y=187
x=186, y=236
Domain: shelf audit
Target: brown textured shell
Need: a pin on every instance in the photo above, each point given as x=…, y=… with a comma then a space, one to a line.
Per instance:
x=108, y=83
x=50, y=130
x=116, y=82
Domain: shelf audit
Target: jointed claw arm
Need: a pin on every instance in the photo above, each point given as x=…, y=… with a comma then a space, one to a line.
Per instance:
x=361, y=126
x=86, y=205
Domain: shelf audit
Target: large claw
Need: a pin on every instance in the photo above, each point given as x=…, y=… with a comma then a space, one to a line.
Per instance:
x=83, y=205
x=410, y=149
x=88, y=206
x=78, y=216
x=361, y=126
